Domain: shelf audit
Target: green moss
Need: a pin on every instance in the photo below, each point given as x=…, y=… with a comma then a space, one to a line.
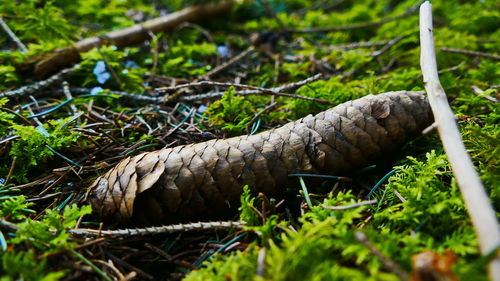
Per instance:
x=433, y=217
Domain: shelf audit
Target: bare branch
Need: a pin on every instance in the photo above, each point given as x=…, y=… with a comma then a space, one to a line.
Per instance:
x=470, y=53
x=356, y=45
x=346, y=207
x=228, y=63
x=33, y=88
x=476, y=199
x=258, y=90
x=154, y=230
x=60, y=58
x=481, y=93
x=13, y=36
x=388, y=263
x=408, y=12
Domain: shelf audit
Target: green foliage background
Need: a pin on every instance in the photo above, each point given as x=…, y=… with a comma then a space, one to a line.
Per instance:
x=323, y=247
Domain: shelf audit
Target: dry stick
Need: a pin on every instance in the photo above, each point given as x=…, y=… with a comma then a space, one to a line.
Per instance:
x=259, y=90
x=261, y=261
x=349, y=46
x=125, y=95
x=408, y=12
x=36, y=87
x=387, y=46
x=375, y=54
x=68, y=95
x=340, y=208
x=256, y=116
x=11, y=170
x=228, y=63
x=64, y=57
x=389, y=264
x=481, y=93
x=13, y=36
x=470, y=53
x=154, y=230
x=280, y=89
x=476, y=199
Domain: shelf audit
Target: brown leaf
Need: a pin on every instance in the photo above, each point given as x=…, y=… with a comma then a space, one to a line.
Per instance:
x=431, y=266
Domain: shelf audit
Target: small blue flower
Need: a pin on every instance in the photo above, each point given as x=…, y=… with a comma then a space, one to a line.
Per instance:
x=96, y=90
x=202, y=109
x=223, y=51
x=131, y=64
x=100, y=72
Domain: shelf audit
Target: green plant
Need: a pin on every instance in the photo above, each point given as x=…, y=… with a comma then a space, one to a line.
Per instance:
x=35, y=145
x=231, y=113
x=34, y=237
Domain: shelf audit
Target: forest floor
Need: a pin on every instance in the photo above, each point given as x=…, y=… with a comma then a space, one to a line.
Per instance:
x=68, y=116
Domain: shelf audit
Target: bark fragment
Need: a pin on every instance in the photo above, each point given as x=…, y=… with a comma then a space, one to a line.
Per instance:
x=202, y=180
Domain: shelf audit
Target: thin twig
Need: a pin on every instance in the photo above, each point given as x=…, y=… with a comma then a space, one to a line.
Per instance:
x=476, y=199
x=408, y=12
x=340, y=208
x=36, y=87
x=357, y=45
x=153, y=230
x=470, y=53
x=254, y=91
x=11, y=170
x=68, y=95
x=13, y=36
x=481, y=93
x=129, y=266
x=7, y=226
x=259, y=114
x=389, y=264
x=387, y=46
x=228, y=63
x=261, y=261
x=374, y=55
x=93, y=266
x=275, y=90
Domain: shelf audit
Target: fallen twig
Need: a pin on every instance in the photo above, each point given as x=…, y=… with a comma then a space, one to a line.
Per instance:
x=389, y=264
x=339, y=208
x=375, y=54
x=154, y=230
x=470, y=53
x=252, y=90
x=228, y=63
x=13, y=36
x=280, y=89
x=476, y=199
x=387, y=46
x=357, y=45
x=256, y=116
x=259, y=90
x=60, y=58
x=33, y=88
x=481, y=93
x=408, y=12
